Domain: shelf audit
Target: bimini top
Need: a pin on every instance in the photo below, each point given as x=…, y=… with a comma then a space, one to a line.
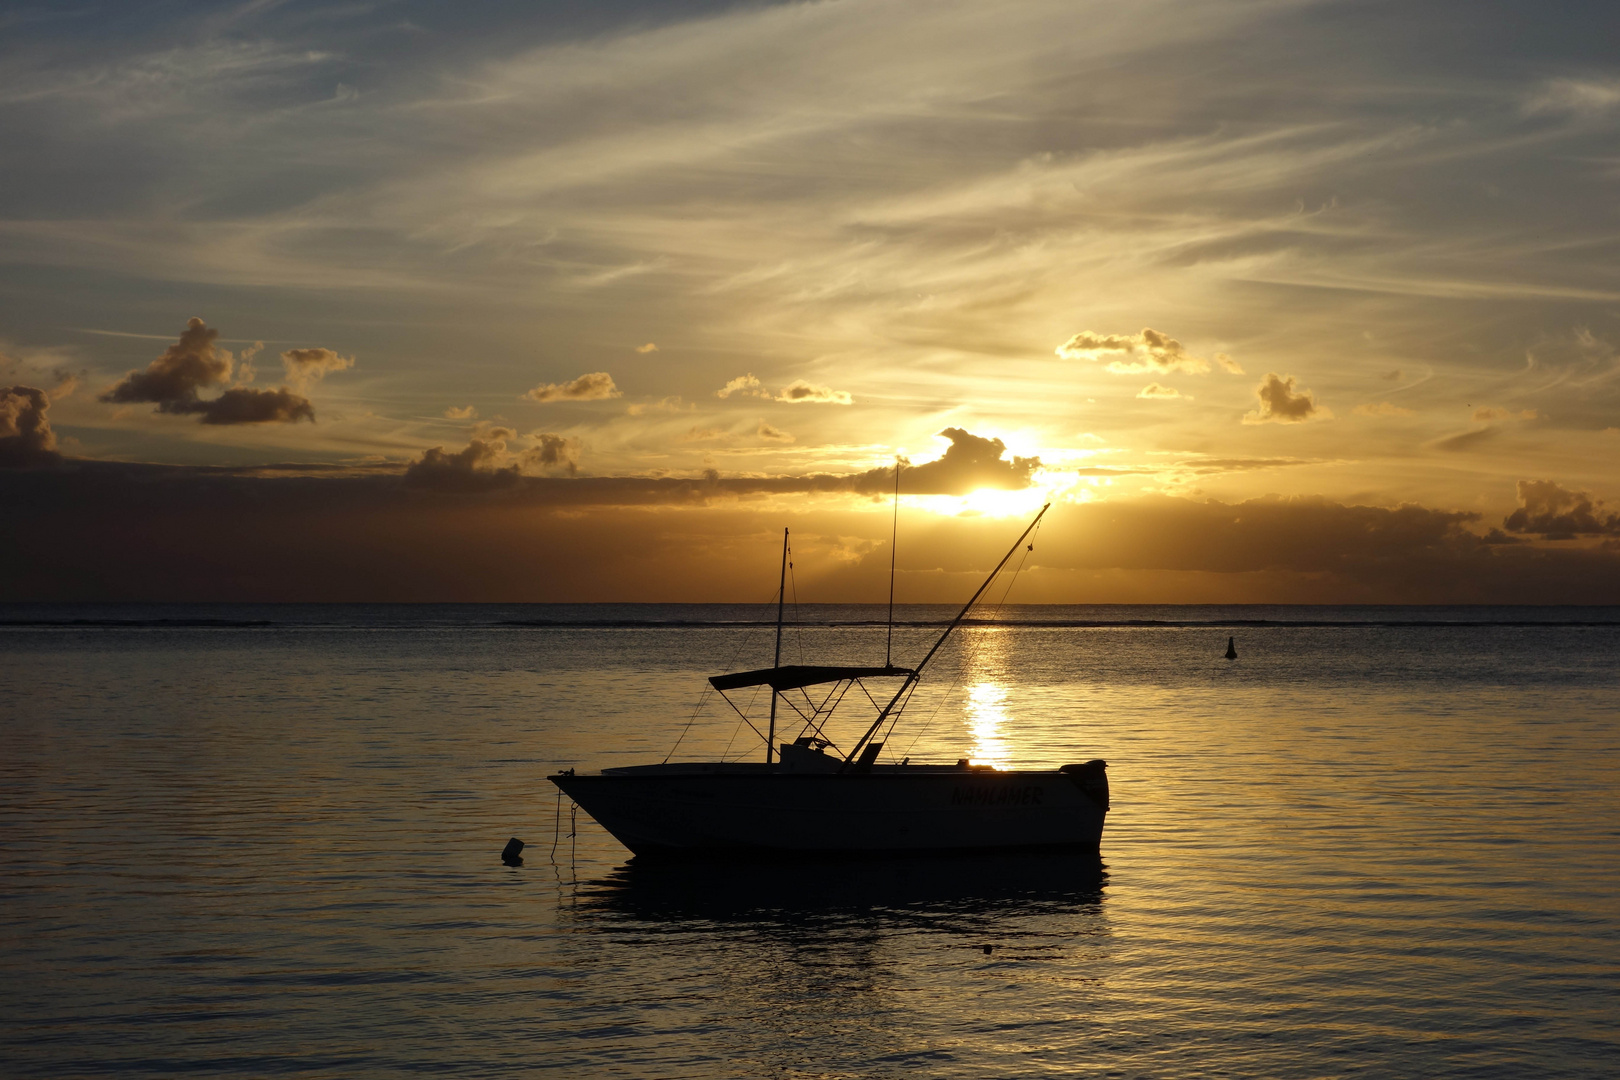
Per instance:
x=793, y=676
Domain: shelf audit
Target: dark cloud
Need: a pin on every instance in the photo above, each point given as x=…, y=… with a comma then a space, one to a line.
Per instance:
x=1279, y=401
x=26, y=438
x=172, y=382
x=244, y=405
x=473, y=468
x=1557, y=513
x=593, y=386
x=327, y=535
x=552, y=452
x=971, y=462
x=1274, y=533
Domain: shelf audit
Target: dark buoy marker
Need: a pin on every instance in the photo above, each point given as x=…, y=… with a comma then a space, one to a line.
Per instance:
x=1231, y=648
x=512, y=854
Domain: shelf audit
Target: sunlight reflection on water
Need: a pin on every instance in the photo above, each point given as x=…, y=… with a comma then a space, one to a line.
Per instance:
x=986, y=708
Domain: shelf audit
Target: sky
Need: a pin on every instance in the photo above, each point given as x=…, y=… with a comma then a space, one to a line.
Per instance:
x=1273, y=302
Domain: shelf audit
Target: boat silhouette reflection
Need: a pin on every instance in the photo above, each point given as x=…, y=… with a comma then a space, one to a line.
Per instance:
x=1023, y=883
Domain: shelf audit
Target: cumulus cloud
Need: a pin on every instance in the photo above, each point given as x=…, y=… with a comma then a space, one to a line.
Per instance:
x=552, y=452
x=593, y=386
x=195, y=362
x=1228, y=363
x=971, y=462
x=743, y=386
x=308, y=365
x=1154, y=390
x=172, y=380
x=1148, y=351
x=770, y=434
x=1279, y=401
x=798, y=392
x=647, y=348
x=461, y=412
x=1381, y=408
x=801, y=392
x=26, y=438
x=1557, y=513
x=473, y=468
x=1489, y=413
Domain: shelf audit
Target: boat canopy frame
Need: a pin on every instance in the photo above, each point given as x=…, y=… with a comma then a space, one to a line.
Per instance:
x=789, y=677
x=795, y=676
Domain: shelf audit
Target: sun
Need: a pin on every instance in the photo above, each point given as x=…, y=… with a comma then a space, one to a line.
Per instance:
x=997, y=502
x=984, y=502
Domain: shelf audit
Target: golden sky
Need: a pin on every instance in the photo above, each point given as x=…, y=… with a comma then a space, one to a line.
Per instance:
x=1275, y=301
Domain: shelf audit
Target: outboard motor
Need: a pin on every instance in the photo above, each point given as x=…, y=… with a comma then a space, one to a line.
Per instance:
x=1091, y=778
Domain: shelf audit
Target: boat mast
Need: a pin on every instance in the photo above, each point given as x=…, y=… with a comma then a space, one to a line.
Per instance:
x=781, y=598
x=894, y=540
x=916, y=672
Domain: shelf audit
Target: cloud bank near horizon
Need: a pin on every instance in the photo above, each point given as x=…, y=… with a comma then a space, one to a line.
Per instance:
x=416, y=536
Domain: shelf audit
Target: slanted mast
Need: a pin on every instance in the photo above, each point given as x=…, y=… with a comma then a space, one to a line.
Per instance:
x=782, y=678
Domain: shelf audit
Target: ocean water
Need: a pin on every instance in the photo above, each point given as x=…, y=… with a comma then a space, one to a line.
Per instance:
x=264, y=840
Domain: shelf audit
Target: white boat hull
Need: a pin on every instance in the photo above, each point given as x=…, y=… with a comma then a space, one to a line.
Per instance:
x=734, y=809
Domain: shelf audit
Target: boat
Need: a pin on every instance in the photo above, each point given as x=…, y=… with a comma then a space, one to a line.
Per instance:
x=810, y=797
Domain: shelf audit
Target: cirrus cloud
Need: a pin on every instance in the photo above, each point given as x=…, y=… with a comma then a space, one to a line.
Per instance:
x=1381, y=408
x=1488, y=413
